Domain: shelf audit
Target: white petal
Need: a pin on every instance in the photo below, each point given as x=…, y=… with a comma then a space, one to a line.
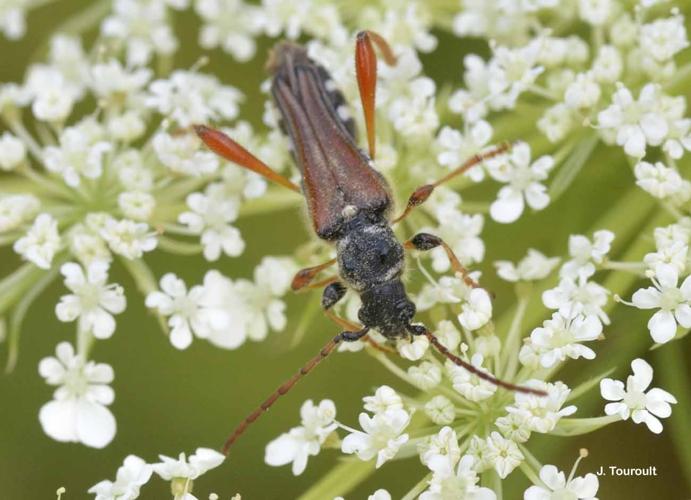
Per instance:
x=552, y=477
x=585, y=487
x=58, y=419
x=536, y=493
x=667, y=275
x=103, y=323
x=509, y=205
x=95, y=424
x=647, y=298
x=642, y=374
x=612, y=390
x=536, y=196
x=652, y=422
x=662, y=326
x=683, y=315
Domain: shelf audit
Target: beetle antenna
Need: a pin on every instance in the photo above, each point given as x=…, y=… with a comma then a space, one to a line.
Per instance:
x=288, y=384
x=421, y=330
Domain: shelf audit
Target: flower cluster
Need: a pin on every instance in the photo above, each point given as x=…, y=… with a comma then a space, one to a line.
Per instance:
x=181, y=473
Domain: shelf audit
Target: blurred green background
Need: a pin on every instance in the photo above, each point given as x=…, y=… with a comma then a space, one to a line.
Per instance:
x=169, y=401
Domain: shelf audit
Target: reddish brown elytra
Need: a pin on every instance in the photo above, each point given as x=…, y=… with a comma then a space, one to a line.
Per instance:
x=348, y=202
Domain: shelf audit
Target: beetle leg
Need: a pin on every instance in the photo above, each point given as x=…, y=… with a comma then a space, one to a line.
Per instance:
x=366, y=72
x=426, y=241
x=421, y=194
x=224, y=146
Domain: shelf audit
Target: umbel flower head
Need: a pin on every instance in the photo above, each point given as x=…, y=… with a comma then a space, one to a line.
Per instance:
x=101, y=174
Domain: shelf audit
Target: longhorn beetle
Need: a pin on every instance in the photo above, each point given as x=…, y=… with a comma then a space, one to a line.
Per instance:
x=348, y=202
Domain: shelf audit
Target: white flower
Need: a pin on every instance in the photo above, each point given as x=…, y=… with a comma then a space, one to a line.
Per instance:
x=203, y=460
x=578, y=296
x=673, y=302
x=503, y=454
x=380, y=494
x=52, y=96
x=513, y=426
x=382, y=437
x=533, y=267
x=384, y=399
x=457, y=148
x=440, y=410
x=541, y=413
x=297, y=445
x=189, y=98
x=211, y=215
x=137, y=205
x=128, y=238
x=229, y=24
x=117, y=85
x=41, y=242
x=12, y=152
x=133, y=473
x=413, y=348
x=181, y=154
x=583, y=92
x=132, y=171
x=93, y=301
x=426, y=375
x=595, y=12
x=585, y=253
x=471, y=102
x=16, y=209
x=523, y=181
x=468, y=384
x=663, y=38
x=658, y=180
x=633, y=401
x=186, y=311
x=142, y=27
x=635, y=123
x=476, y=310
x=461, y=232
x=13, y=18
x=78, y=411
x=556, y=122
x=512, y=70
x=461, y=484
x=80, y=153
x=560, y=337
x=557, y=486
x=608, y=65
x=442, y=451
x=253, y=307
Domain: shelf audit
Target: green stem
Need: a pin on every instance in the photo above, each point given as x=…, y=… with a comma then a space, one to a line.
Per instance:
x=510, y=351
x=419, y=487
x=340, y=480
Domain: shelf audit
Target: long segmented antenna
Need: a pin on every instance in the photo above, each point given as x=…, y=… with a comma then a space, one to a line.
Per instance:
x=288, y=384
x=421, y=330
